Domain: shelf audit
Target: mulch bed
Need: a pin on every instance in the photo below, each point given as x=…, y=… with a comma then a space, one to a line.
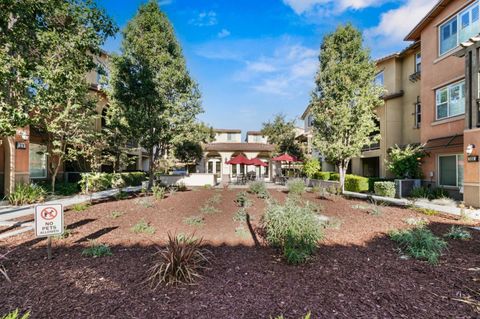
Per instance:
x=356, y=272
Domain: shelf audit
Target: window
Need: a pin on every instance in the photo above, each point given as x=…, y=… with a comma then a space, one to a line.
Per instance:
x=257, y=139
x=459, y=29
x=310, y=121
x=229, y=137
x=418, y=62
x=379, y=79
x=451, y=170
x=234, y=170
x=38, y=161
x=450, y=100
x=418, y=113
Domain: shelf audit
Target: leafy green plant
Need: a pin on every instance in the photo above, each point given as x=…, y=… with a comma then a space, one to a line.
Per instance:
x=143, y=227
x=293, y=228
x=116, y=214
x=296, y=186
x=405, y=162
x=257, y=188
x=420, y=243
x=208, y=209
x=242, y=200
x=24, y=194
x=429, y=193
x=194, y=221
x=240, y=231
x=121, y=195
x=145, y=202
x=307, y=316
x=458, y=232
x=240, y=215
x=97, y=250
x=311, y=167
x=158, y=192
x=323, y=176
x=80, y=207
x=354, y=183
x=179, y=262
x=181, y=187
x=386, y=189
x=16, y=315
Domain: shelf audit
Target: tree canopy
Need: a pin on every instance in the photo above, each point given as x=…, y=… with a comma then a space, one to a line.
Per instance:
x=281, y=133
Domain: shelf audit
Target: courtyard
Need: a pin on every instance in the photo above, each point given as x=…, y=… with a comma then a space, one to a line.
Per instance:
x=356, y=268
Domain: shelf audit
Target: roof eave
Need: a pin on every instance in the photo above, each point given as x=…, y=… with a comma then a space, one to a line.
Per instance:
x=414, y=35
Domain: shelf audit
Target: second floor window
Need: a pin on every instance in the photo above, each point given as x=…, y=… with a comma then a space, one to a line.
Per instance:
x=379, y=79
x=310, y=121
x=418, y=62
x=229, y=137
x=450, y=100
x=460, y=28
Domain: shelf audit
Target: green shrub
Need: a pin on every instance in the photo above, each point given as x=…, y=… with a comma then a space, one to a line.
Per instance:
x=181, y=187
x=311, y=167
x=194, y=221
x=116, y=214
x=134, y=178
x=16, y=315
x=24, y=194
x=96, y=182
x=242, y=200
x=357, y=184
x=429, y=193
x=158, y=192
x=458, y=232
x=142, y=227
x=405, y=162
x=420, y=243
x=121, y=195
x=257, y=187
x=373, y=180
x=293, y=228
x=97, y=250
x=334, y=177
x=323, y=176
x=386, y=189
x=296, y=186
x=80, y=207
x=215, y=199
x=117, y=181
x=208, y=209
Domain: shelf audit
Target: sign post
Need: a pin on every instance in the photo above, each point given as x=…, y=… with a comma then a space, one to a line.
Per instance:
x=48, y=223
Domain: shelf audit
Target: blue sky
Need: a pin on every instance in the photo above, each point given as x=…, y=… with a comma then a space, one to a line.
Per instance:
x=253, y=59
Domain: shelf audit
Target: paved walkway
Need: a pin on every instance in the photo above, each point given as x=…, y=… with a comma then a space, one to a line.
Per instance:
x=8, y=214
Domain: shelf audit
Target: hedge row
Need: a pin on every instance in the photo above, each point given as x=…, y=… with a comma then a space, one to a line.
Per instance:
x=353, y=183
x=386, y=189
x=96, y=182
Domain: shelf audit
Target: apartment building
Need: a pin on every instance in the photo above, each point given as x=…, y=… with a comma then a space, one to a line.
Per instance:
x=227, y=145
x=400, y=116
x=447, y=124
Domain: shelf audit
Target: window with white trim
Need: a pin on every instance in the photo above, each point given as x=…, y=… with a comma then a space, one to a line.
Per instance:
x=450, y=168
x=38, y=160
x=229, y=136
x=458, y=29
x=450, y=100
x=379, y=79
x=418, y=113
x=418, y=62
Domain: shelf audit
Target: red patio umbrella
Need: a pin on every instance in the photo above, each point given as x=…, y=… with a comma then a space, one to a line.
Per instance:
x=240, y=159
x=286, y=158
x=257, y=162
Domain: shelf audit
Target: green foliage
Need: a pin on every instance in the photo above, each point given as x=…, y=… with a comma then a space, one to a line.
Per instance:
x=354, y=183
x=158, y=192
x=258, y=188
x=386, y=189
x=179, y=262
x=405, y=162
x=189, y=152
x=80, y=207
x=345, y=98
x=373, y=180
x=307, y=316
x=194, y=221
x=96, y=182
x=97, y=250
x=458, y=232
x=181, y=187
x=311, y=167
x=293, y=228
x=420, y=243
x=296, y=186
x=121, y=195
x=62, y=189
x=208, y=209
x=242, y=200
x=418, y=222
x=429, y=193
x=24, y=194
x=334, y=177
x=323, y=176
x=142, y=227
x=240, y=231
x=215, y=199
x=240, y=215
x=16, y=315
x=116, y=214
x=282, y=133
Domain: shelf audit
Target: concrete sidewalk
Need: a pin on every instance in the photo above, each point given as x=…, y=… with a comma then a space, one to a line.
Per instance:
x=8, y=214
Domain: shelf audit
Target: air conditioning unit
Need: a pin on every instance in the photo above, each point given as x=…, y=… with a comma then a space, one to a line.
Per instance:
x=405, y=186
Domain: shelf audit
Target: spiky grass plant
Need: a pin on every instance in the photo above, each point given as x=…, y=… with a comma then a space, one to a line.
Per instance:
x=143, y=227
x=194, y=221
x=16, y=315
x=458, y=232
x=97, y=250
x=181, y=261
x=420, y=243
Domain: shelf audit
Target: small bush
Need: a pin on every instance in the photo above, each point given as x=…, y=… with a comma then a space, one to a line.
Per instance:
x=357, y=184
x=179, y=262
x=145, y=202
x=386, y=189
x=458, y=232
x=296, y=186
x=323, y=176
x=97, y=250
x=116, y=214
x=418, y=222
x=373, y=180
x=242, y=200
x=117, y=181
x=311, y=167
x=25, y=194
x=215, y=199
x=429, y=193
x=293, y=228
x=95, y=182
x=208, y=210
x=158, y=192
x=420, y=243
x=142, y=227
x=257, y=187
x=121, y=195
x=334, y=177
x=80, y=207
x=181, y=187
x=16, y=315
x=194, y=221
x=66, y=189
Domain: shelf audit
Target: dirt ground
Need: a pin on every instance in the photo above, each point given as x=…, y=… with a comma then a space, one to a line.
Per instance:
x=357, y=271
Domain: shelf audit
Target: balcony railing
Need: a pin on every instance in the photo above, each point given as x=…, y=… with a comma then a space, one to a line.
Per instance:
x=372, y=147
x=415, y=76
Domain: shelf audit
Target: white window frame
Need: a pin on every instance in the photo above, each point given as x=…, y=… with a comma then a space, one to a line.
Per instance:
x=381, y=73
x=448, y=87
x=417, y=113
x=418, y=60
x=456, y=168
x=456, y=17
x=230, y=137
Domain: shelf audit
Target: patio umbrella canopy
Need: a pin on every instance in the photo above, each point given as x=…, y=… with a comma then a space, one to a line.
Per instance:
x=286, y=158
x=257, y=162
x=240, y=159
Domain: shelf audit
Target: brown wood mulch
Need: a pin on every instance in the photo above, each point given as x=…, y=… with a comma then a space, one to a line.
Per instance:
x=356, y=273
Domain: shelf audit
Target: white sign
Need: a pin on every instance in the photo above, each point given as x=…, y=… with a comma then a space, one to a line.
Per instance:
x=48, y=220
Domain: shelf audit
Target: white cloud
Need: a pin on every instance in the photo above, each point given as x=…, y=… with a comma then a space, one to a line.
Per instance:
x=260, y=66
x=164, y=2
x=224, y=33
x=330, y=6
x=205, y=19
x=395, y=24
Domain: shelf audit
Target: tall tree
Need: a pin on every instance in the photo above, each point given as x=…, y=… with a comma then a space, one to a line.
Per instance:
x=281, y=133
x=150, y=82
x=188, y=146
x=64, y=110
x=344, y=99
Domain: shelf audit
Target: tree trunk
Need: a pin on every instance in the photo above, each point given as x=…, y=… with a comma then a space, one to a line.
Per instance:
x=55, y=173
x=342, y=170
x=9, y=171
x=151, y=165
